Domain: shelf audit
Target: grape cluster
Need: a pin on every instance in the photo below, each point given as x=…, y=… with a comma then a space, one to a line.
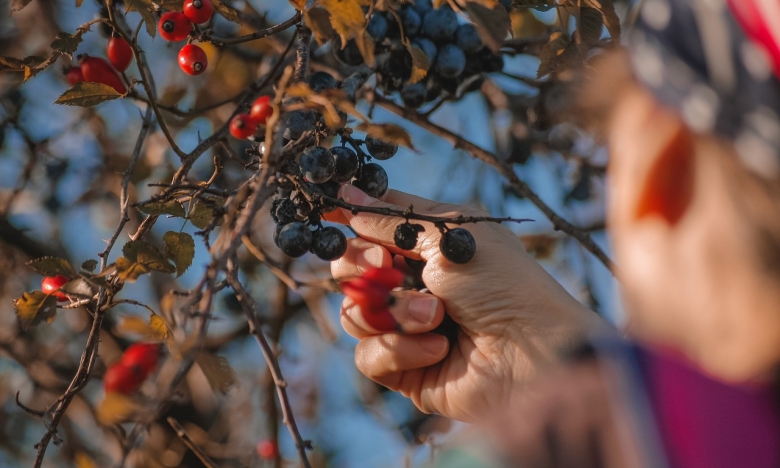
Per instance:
x=455, y=52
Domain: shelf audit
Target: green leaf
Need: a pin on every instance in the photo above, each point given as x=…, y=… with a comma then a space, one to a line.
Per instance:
x=172, y=208
x=140, y=258
x=128, y=270
x=51, y=266
x=179, y=248
x=218, y=372
x=87, y=94
x=493, y=24
x=89, y=265
x=145, y=8
x=202, y=212
x=66, y=43
x=35, y=307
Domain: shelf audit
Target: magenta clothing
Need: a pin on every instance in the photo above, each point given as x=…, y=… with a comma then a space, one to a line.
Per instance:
x=704, y=423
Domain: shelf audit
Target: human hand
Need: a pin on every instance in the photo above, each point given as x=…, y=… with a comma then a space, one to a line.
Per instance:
x=514, y=319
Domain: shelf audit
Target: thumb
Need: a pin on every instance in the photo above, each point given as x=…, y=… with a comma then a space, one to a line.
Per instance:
x=380, y=229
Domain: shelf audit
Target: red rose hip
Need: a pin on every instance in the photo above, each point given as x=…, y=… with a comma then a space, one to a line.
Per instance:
x=97, y=70
x=119, y=53
x=142, y=356
x=198, y=11
x=192, y=59
x=52, y=284
x=261, y=109
x=121, y=379
x=74, y=75
x=174, y=26
x=242, y=126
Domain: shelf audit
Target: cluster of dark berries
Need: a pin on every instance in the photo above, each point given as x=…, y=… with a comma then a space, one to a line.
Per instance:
x=457, y=245
x=455, y=52
x=176, y=26
x=99, y=70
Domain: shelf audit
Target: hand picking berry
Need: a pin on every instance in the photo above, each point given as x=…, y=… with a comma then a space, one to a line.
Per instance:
x=373, y=180
x=458, y=245
x=379, y=149
x=406, y=235
x=371, y=292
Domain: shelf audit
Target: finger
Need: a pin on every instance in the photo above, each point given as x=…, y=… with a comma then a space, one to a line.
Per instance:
x=385, y=358
x=361, y=255
x=415, y=313
x=381, y=229
x=335, y=216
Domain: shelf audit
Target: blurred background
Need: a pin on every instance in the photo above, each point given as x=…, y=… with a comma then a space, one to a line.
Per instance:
x=60, y=175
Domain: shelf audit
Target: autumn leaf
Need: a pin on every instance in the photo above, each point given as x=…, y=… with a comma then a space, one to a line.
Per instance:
x=318, y=20
x=144, y=8
x=346, y=17
x=202, y=212
x=116, y=408
x=218, y=372
x=420, y=63
x=493, y=24
x=171, y=207
x=227, y=11
x=155, y=329
x=390, y=133
x=51, y=266
x=180, y=249
x=35, y=307
x=89, y=265
x=128, y=270
x=556, y=55
x=87, y=94
x=66, y=43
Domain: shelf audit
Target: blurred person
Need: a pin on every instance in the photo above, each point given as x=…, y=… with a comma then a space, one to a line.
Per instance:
x=693, y=129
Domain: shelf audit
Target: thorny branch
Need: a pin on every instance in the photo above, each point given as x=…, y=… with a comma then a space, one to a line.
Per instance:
x=182, y=434
x=220, y=41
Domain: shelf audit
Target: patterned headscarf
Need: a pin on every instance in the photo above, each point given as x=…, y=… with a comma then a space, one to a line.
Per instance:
x=718, y=63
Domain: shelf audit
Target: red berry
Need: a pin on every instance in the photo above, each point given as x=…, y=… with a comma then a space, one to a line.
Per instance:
x=243, y=126
x=119, y=53
x=267, y=449
x=371, y=292
x=52, y=284
x=73, y=75
x=367, y=294
x=387, y=277
x=192, y=59
x=122, y=379
x=174, y=26
x=97, y=70
x=198, y=11
x=142, y=356
x=261, y=109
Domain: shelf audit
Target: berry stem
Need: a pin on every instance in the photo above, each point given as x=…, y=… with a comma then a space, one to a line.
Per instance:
x=227, y=41
x=302, y=52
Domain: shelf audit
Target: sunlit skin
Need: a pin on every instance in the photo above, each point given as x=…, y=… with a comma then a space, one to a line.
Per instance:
x=691, y=280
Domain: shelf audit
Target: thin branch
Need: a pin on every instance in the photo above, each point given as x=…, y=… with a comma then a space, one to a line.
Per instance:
x=226, y=41
x=279, y=272
x=302, y=52
x=249, y=307
x=559, y=224
x=182, y=434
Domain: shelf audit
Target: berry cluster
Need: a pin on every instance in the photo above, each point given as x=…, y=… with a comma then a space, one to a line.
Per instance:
x=456, y=55
x=99, y=70
x=176, y=26
x=137, y=363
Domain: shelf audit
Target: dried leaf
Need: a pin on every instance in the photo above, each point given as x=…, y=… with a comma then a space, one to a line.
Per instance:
x=556, y=55
x=218, y=372
x=611, y=19
x=154, y=330
x=116, y=408
x=66, y=43
x=34, y=307
x=172, y=208
x=145, y=8
x=87, y=94
x=51, y=266
x=493, y=24
x=346, y=17
x=128, y=270
x=318, y=20
x=159, y=329
x=202, y=213
x=366, y=47
x=420, y=63
x=589, y=26
x=179, y=248
x=227, y=11
x=526, y=24
x=390, y=133
x=170, y=5
x=89, y=265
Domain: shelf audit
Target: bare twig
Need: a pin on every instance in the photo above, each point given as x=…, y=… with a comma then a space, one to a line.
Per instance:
x=182, y=434
x=226, y=41
x=302, y=53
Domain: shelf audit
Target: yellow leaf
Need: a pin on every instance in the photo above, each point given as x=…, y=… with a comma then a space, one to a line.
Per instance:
x=366, y=47
x=154, y=330
x=318, y=20
x=218, y=372
x=35, y=307
x=346, y=17
x=82, y=460
x=128, y=270
x=116, y=408
x=420, y=63
x=158, y=328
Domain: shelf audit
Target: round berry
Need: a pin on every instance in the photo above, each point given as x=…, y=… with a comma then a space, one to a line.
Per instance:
x=174, y=26
x=347, y=164
x=410, y=20
x=373, y=180
x=97, y=70
x=119, y=53
x=294, y=239
x=120, y=378
x=329, y=189
x=379, y=149
x=329, y=243
x=242, y=126
x=458, y=245
x=467, y=38
x=261, y=109
x=423, y=6
x=451, y=61
x=74, y=75
x=440, y=25
x=299, y=122
x=427, y=46
x=142, y=356
x=349, y=54
x=322, y=81
x=51, y=285
x=377, y=27
x=284, y=211
x=317, y=164
x=267, y=449
x=406, y=235
x=414, y=95
x=198, y=11
x=192, y=60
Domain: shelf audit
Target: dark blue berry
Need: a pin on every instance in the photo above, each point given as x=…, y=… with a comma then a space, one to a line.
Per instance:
x=423, y=6
x=410, y=20
x=317, y=165
x=294, y=239
x=299, y=122
x=346, y=164
x=322, y=81
x=507, y=4
x=373, y=180
x=458, y=245
x=349, y=55
x=440, y=25
x=284, y=211
x=467, y=38
x=377, y=27
x=329, y=243
x=414, y=95
x=451, y=61
x=379, y=149
x=329, y=189
x=427, y=46
x=405, y=236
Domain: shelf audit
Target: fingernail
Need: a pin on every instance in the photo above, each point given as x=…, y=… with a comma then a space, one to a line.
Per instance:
x=423, y=309
x=435, y=344
x=371, y=258
x=355, y=196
